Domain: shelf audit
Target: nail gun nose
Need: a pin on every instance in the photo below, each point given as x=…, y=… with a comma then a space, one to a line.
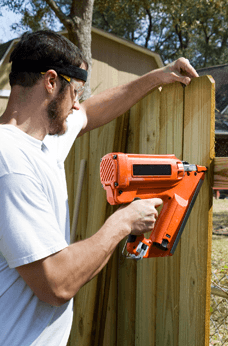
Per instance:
x=189, y=167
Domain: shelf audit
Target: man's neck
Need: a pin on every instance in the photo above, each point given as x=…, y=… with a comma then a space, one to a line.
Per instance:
x=26, y=110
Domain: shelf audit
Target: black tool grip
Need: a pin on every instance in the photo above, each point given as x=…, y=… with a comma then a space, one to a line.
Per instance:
x=131, y=237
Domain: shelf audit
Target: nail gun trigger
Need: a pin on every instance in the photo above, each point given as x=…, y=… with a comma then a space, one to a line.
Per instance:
x=141, y=249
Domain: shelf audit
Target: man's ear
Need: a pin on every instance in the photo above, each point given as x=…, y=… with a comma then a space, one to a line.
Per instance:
x=50, y=80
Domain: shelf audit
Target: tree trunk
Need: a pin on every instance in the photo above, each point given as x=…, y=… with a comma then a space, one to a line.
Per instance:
x=78, y=24
x=80, y=32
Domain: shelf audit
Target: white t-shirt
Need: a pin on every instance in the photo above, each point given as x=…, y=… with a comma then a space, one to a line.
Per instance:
x=34, y=223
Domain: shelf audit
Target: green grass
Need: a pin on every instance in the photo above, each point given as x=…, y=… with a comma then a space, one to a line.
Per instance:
x=220, y=243
x=219, y=263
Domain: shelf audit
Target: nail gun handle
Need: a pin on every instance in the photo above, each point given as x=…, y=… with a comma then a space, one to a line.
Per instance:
x=131, y=238
x=165, y=229
x=168, y=221
x=133, y=242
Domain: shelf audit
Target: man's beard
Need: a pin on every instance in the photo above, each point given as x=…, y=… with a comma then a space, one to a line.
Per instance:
x=55, y=114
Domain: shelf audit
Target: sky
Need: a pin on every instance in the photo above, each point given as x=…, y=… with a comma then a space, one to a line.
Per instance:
x=6, y=20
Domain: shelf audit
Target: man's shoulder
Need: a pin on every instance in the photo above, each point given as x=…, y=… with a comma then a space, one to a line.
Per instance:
x=11, y=160
x=12, y=156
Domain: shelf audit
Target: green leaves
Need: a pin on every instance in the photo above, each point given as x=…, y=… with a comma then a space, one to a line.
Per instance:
x=196, y=29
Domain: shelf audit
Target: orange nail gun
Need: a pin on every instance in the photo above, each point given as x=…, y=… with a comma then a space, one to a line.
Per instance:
x=126, y=177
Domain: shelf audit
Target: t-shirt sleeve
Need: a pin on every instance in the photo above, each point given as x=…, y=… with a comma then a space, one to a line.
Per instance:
x=29, y=230
x=61, y=145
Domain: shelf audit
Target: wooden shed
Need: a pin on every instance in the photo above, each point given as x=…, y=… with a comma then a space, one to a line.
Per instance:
x=115, y=61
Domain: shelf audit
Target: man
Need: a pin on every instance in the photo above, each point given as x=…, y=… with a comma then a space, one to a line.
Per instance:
x=39, y=272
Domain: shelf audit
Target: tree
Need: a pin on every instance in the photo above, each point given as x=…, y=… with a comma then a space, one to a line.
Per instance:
x=196, y=29
x=75, y=16
x=201, y=28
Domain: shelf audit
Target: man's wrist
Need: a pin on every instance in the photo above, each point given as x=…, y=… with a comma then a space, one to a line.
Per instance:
x=157, y=78
x=119, y=223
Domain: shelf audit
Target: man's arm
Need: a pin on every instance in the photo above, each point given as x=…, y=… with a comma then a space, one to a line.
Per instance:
x=57, y=278
x=110, y=104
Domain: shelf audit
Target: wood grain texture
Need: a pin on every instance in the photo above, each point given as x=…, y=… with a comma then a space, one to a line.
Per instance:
x=146, y=282
x=220, y=173
x=195, y=267
x=168, y=269
x=156, y=302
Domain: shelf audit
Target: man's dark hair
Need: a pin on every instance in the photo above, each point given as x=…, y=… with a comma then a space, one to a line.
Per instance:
x=41, y=48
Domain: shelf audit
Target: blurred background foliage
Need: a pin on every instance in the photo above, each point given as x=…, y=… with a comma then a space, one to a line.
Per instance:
x=196, y=29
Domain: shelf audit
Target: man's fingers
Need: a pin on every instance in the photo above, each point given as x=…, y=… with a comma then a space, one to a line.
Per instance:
x=184, y=80
x=191, y=71
x=156, y=201
x=183, y=71
x=186, y=68
x=154, y=217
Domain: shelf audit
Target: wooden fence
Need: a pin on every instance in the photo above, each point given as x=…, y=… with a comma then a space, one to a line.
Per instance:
x=163, y=301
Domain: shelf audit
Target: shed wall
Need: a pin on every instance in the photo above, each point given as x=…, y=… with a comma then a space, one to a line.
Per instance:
x=115, y=64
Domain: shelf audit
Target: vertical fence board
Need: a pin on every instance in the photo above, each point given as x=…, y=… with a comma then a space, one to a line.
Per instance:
x=196, y=244
x=148, y=136
x=110, y=332
x=156, y=302
x=168, y=269
x=110, y=337
x=171, y=120
x=126, y=284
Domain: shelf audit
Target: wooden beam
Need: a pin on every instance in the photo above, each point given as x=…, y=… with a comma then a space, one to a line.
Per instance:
x=220, y=173
x=218, y=292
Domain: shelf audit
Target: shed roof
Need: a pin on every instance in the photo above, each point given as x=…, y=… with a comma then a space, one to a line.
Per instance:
x=4, y=48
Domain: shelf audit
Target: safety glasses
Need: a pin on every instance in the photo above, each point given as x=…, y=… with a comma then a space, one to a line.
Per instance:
x=78, y=89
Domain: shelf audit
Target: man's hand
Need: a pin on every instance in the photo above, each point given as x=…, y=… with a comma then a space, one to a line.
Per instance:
x=178, y=71
x=141, y=214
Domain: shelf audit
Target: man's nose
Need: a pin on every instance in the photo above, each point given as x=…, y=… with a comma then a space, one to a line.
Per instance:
x=76, y=105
